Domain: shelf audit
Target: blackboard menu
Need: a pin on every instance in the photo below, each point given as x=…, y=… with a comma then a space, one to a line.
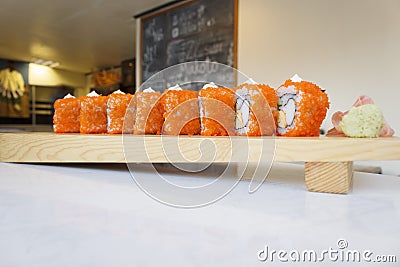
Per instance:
x=202, y=30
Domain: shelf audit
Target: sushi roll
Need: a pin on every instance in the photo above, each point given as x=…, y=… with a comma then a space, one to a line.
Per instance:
x=256, y=110
x=180, y=111
x=66, y=115
x=118, y=113
x=302, y=107
x=93, y=115
x=217, y=110
x=147, y=112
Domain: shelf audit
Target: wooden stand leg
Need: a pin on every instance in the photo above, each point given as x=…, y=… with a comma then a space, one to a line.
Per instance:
x=329, y=177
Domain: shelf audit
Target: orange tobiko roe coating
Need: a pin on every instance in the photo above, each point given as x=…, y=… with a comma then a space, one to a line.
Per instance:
x=263, y=110
x=271, y=97
x=148, y=113
x=311, y=109
x=66, y=115
x=118, y=113
x=218, y=105
x=93, y=116
x=179, y=106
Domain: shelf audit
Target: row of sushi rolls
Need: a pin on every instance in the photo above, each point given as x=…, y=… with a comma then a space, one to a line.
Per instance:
x=296, y=108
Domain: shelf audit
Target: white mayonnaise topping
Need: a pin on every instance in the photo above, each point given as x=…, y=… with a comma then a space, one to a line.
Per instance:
x=210, y=85
x=118, y=92
x=148, y=90
x=69, y=96
x=176, y=87
x=296, y=79
x=250, y=81
x=92, y=94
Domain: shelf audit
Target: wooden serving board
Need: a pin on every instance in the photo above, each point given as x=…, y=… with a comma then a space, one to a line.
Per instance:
x=328, y=160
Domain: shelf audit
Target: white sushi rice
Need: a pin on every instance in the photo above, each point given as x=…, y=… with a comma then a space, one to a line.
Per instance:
x=288, y=98
x=242, y=108
x=201, y=112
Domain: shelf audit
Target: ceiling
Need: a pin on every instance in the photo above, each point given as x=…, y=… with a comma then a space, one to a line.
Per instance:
x=80, y=34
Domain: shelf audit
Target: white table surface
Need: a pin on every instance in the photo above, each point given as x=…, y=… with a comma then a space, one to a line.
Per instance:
x=95, y=215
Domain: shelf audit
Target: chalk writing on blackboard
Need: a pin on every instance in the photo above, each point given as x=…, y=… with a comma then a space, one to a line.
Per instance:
x=202, y=30
x=153, y=52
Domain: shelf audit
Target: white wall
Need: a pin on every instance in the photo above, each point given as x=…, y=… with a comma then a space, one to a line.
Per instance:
x=348, y=47
x=45, y=76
